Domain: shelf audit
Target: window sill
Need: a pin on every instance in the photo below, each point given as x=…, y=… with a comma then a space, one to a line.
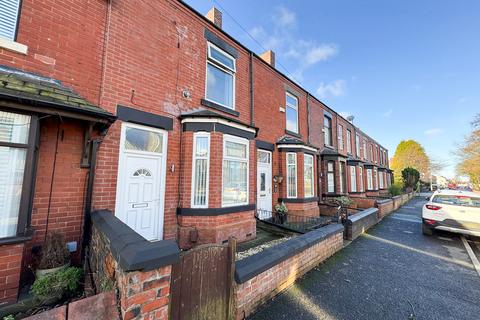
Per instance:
x=293, y=133
x=214, y=105
x=13, y=46
x=17, y=239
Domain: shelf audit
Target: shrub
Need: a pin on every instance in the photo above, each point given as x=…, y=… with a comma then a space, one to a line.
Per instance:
x=395, y=190
x=343, y=201
x=54, y=252
x=411, y=177
x=281, y=208
x=64, y=283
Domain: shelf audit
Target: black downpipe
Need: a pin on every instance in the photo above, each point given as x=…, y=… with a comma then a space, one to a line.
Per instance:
x=88, y=197
x=252, y=121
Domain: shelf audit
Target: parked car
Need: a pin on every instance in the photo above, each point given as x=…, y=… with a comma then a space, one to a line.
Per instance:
x=452, y=210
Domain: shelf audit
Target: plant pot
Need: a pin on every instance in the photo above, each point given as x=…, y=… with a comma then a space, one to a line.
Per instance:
x=40, y=273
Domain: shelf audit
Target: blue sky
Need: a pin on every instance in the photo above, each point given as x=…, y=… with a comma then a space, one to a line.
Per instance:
x=406, y=69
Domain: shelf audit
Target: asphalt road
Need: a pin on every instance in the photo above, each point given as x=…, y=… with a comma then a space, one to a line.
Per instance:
x=392, y=272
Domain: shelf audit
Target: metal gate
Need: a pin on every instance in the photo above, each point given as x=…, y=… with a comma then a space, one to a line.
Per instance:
x=202, y=283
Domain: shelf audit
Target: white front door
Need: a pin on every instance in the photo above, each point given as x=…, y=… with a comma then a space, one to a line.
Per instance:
x=264, y=180
x=141, y=179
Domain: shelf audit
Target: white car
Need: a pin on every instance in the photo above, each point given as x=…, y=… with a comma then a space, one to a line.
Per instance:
x=452, y=210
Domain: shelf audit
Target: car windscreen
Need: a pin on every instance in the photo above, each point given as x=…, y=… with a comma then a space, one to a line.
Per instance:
x=457, y=200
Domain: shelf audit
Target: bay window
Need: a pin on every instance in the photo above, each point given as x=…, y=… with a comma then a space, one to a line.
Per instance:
x=343, y=179
x=381, y=180
x=369, y=179
x=200, y=167
x=360, y=174
x=17, y=140
x=353, y=179
x=291, y=175
x=292, y=112
x=308, y=176
x=375, y=174
x=330, y=177
x=220, y=86
x=235, y=171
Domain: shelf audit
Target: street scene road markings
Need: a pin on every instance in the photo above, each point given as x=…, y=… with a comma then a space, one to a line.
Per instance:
x=445, y=239
x=406, y=217
x=471, y=254
x=409, y=207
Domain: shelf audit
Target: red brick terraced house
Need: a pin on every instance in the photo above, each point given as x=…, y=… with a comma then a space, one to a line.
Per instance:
x=150, y=110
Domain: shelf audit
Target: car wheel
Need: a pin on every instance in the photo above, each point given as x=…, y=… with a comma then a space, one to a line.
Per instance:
x=426, y=230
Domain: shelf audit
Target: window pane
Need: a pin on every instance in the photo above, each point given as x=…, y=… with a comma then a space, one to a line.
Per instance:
x=234, y=182
x=262, y=181
x=353, y=179
x=14, y=127
x=200, y=183
x=292, y=101
x=222, y=58
x=330, y=183
x=12, y=166
x=291, y=181
x=219, y=86
x=330, y=166
x=8, y=18
x=201, y=146
x=237, y=150
x=456, y=200
x=263, y=157
x=308, y=176
x=143, y=140
x=292, y=124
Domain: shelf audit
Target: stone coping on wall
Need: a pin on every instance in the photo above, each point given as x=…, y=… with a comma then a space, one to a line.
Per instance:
x=131, y=250
x=252, y=266
x=384, y=201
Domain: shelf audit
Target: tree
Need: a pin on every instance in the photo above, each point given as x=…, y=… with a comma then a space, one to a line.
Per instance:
x=410, y=153
x=469, y=154
x=411, y=177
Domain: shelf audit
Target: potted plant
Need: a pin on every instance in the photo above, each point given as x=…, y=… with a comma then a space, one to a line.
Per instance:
x=55, y=255
x=281, y=211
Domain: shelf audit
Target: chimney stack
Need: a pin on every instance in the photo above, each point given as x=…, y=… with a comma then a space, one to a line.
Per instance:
x=215, y=16
x=269, y=57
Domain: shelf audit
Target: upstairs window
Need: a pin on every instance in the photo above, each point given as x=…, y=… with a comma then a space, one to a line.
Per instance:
x=292, y=112
x=357, y=144
x=349, y=141
x=327, y=130
x=291, y=175
x=220, y=86
x=365, y=149
x=9, y=10
x=340, y=137
x=201, y=152
x=308, y=175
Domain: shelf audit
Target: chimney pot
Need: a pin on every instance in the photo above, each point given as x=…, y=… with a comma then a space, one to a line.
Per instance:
x=215, y=16
x=269, y=57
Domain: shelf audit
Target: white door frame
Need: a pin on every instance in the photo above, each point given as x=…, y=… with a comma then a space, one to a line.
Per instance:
x=269, y=166
x=163, y=169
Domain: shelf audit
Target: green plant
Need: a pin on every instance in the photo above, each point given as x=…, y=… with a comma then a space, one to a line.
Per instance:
x=281, y=208
x=9, y=317
x=58, y=284
x=54, y=252
x=343, y=201
x=395, y=189
x=411, y=177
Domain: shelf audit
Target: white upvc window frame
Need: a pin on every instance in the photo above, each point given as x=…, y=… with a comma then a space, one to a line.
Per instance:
x=230, y=138
x=375, y=176
x=353, y=179
x=328, y=130
x=360, y=173
x=288, y=105
x=207, y=178
x=342, y=175
x=365, y=155
x=340, y=137
x=296, y=174
x=305, y=165
x=331, y=173
x=380, y=180
x=358, y=147
x=369, y=179
x=219, y=65
x=349, y=141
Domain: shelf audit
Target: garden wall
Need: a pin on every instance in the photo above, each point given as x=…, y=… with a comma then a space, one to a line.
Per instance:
x=359, y=223
x=384, y=207
x=263, y=275
x=140, y=269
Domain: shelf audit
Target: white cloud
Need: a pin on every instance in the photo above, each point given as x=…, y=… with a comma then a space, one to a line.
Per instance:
x=388, y=113
x=284, y=17
x=335, y=89
x=319, y=53
x=433, y=131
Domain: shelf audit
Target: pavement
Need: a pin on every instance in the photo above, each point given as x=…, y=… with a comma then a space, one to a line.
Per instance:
x=391, y=272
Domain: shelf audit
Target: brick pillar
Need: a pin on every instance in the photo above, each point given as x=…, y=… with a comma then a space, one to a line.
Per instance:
x=144, y=294
x=10, y=269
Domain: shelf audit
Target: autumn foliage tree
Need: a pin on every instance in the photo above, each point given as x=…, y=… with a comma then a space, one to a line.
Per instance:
x=410, y=154
x=469, y=154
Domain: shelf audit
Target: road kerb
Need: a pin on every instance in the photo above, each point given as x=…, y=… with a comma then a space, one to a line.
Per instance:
x=471, y=254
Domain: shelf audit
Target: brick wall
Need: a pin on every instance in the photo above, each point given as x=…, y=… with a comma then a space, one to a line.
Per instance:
x=307, y=209
x=385, y=207
x=10, y=266
x=259, y=289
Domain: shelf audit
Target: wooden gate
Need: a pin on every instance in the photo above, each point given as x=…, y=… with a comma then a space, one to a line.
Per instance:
x=202, y=283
